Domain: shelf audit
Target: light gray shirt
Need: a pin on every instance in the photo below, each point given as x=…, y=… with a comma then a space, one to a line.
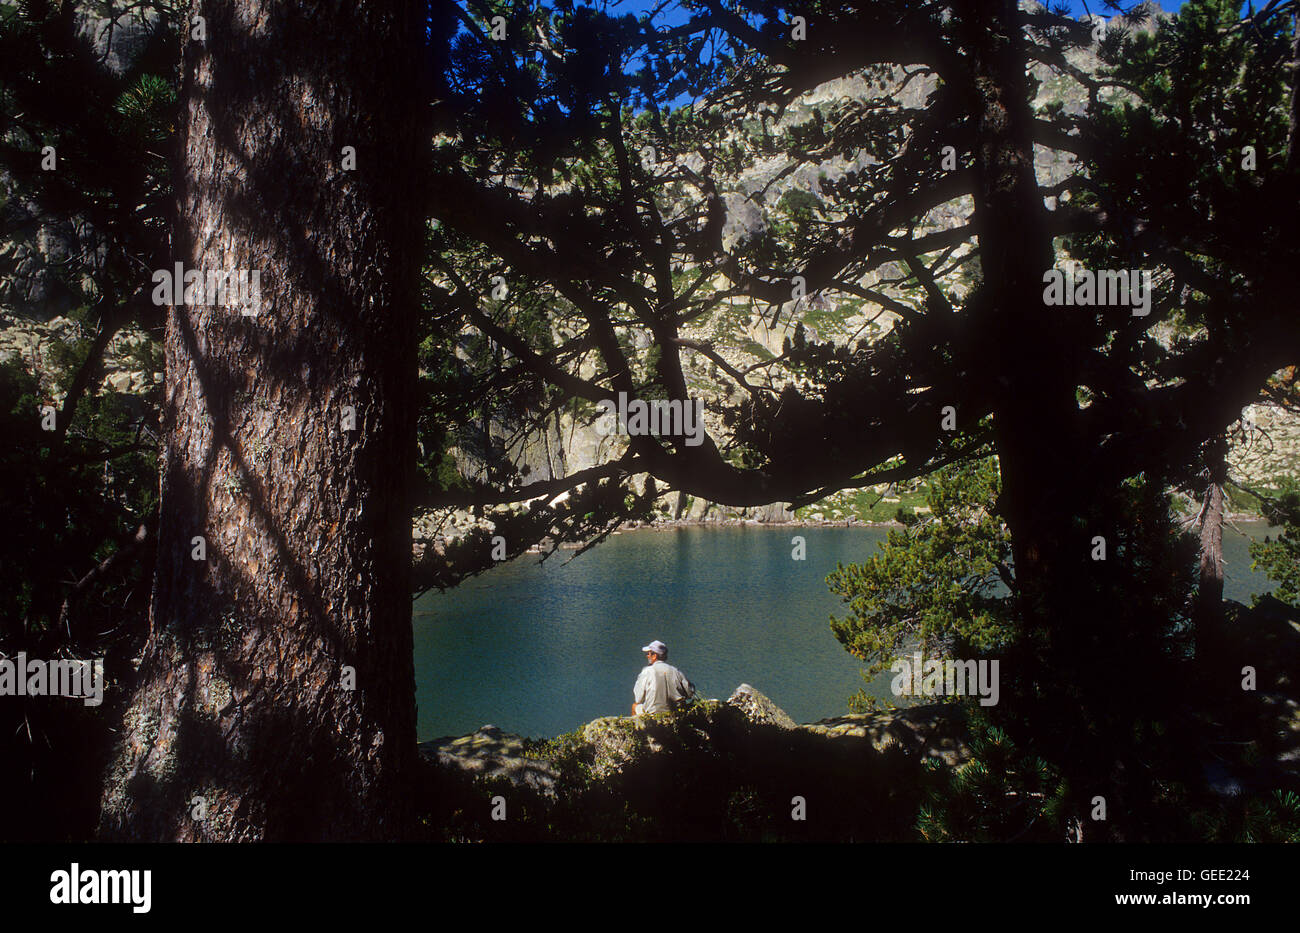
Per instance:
x=658, y=685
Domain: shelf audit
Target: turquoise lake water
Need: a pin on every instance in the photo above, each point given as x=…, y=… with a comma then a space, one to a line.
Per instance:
x=540, y=649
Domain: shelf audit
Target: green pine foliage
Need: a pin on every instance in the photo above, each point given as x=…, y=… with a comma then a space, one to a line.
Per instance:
x=1007, y=793
x=1279, y=556
x=1274, y=819
x=1001, y=794
x=941, y=584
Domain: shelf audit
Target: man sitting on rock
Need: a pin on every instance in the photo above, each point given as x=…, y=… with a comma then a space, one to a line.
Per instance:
x=660, y=686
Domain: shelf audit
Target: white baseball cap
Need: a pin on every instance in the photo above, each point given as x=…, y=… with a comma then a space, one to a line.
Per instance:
x=658, y=648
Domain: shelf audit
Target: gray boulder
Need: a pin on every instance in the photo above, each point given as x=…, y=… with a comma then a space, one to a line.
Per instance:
x=758, y=708
x=933, y=731
x=117, y=41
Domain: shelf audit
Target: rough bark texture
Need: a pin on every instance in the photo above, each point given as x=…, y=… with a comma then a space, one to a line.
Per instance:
x=1209, y=595
x=243, y=699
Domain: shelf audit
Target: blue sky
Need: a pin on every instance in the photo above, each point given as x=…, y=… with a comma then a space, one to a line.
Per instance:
x=1077, y=7
x=1097, y=7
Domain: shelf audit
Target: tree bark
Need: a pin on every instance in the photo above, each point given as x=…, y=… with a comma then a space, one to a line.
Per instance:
x=1032, y=354
x=1209, y=594
x=246, y=723
x=1026, y=345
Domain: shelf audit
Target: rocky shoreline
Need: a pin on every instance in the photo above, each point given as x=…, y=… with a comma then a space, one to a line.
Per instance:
x=682, y=523
x=455, y=530
x=613, y=745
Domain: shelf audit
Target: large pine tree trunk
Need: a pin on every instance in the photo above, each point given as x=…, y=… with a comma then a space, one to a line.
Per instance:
x=1026, y=346
x=1032, y=351
x=245, y=699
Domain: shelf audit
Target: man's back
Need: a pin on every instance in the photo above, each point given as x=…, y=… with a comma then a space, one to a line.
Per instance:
x=659, y=686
